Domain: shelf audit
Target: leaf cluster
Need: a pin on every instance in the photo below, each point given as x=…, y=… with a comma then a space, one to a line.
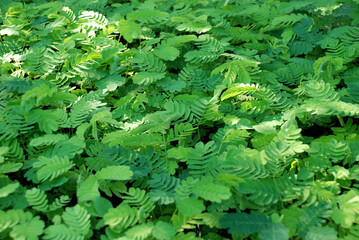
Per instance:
x=196, y=119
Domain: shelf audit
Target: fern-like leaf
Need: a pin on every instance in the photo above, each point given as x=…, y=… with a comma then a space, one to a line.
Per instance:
x=78, y=219
x=114, y=173
x=84, y=106
x=138, y=198
x=244, y=163
x=61, y=231
x=37, y=199
x=162, y=188
x=92, y=20
x=148, y=16
x=121, y=217
x=209, y=190
x=201, y=160
x=50, y=168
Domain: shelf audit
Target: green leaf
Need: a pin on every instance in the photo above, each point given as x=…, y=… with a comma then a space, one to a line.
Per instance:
x=28, y=230
x=3, y=151
x=191, y=206
x=346, y=214
x=321, y=233
x=115, y=173
x=50, y=168
x=8, y=189
x=77, y=218
x=102, y=205
x=166, y=52
x=88, y=190
x=129, y=30
x=61, y=231
x=111, y=83
x=163, y=231
x=40, y=93
x=208, y=190
x=150, y=16
x=343, y=217
x=140, y=231
x=10, y=167
x=46, y=119
x=291, y=218
x=69, y=148
x=48, y=139
x=121, y=217
x=274, y=232
x=326, y=66
x=180, y=153
x=200, y=56
x=145, y=78
x=244, y=223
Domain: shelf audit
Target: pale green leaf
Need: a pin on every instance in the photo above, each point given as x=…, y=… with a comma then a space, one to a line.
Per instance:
x=163, y=231
x=8, y=189
x=191, y=206
x=166, y=52
x=129, y=30
x=115, y=173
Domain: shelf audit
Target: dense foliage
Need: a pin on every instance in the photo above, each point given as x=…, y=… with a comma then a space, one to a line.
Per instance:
x=179, y=119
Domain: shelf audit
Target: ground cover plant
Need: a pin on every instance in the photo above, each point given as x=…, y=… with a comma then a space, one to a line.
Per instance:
x=179, y=119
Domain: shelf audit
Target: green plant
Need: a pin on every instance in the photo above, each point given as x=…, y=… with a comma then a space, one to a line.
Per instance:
x=200, y=119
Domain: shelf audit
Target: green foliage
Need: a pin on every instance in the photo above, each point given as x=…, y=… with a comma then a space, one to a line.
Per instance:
x=51, y=168
x=121, y=217
x=152, y=119
x=243, y=223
